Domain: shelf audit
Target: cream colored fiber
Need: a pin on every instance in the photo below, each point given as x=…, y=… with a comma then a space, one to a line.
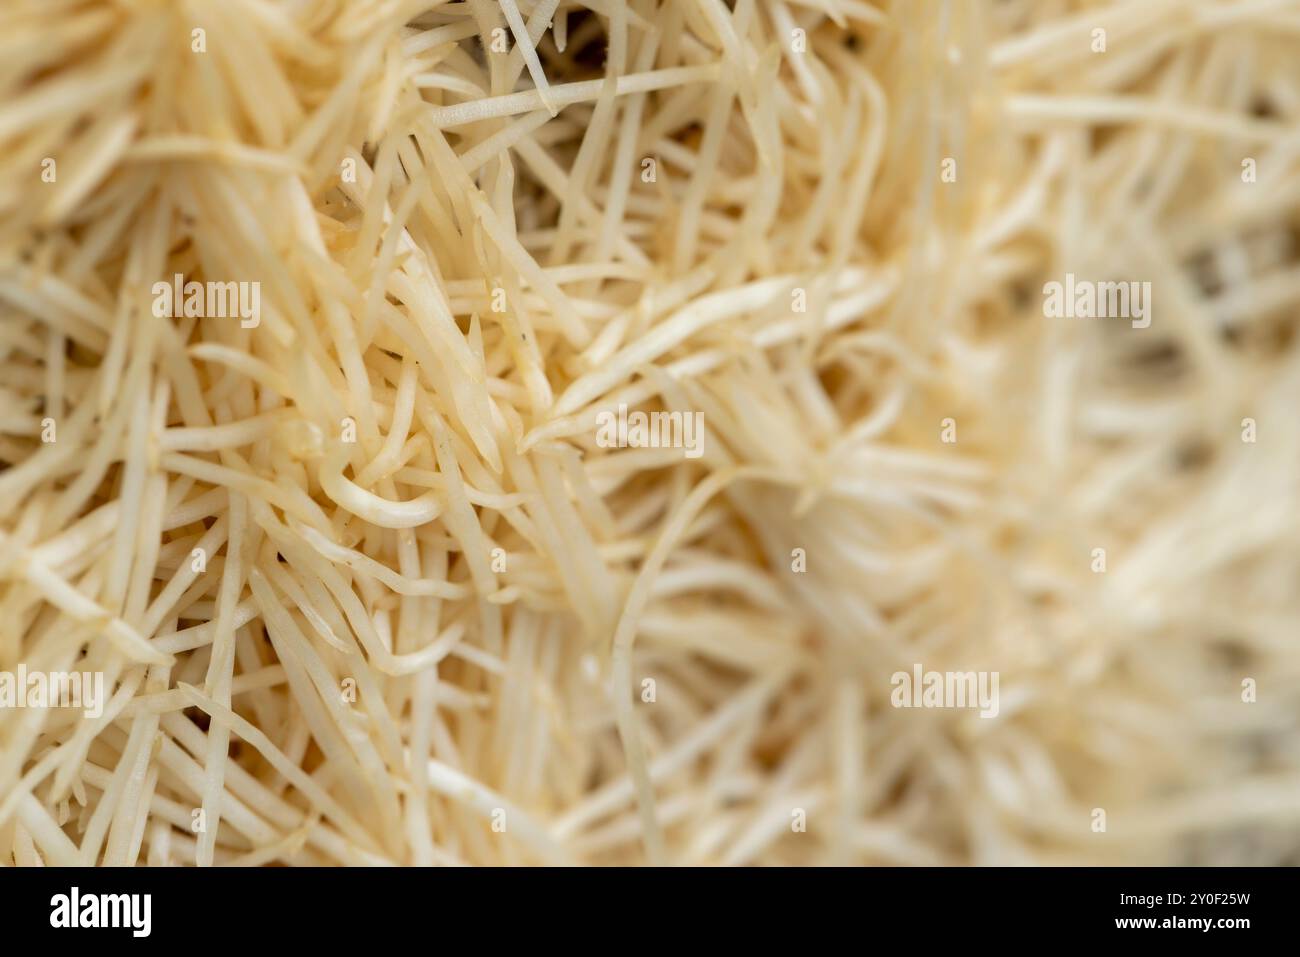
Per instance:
x=366, y=588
